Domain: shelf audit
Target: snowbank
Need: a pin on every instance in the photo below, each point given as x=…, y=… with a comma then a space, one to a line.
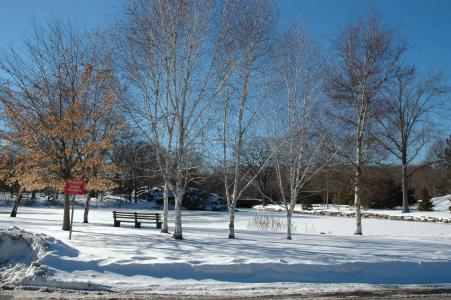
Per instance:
x=19, y=253
x=440, y=214
x=441, y=203
x=23, y=256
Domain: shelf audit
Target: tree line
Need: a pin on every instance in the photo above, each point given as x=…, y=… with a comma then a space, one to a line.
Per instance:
x=180, y=93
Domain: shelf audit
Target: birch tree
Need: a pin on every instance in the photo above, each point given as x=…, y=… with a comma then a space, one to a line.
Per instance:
x=246, y=30
x=303, y=149
x=169, y=52
x=57, y=97
x=406, y=118
x=366, y=54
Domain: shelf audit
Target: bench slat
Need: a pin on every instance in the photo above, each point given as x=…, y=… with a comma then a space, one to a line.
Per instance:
x=139, y=216
x=132, y=214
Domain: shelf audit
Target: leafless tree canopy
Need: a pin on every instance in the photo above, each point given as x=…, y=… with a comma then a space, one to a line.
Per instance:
x=368, y=55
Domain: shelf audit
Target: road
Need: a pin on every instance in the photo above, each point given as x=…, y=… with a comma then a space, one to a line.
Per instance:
x=9, y=292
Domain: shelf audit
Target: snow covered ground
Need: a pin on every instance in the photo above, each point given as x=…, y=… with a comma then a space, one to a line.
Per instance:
x=441, y=212
x=323, y=255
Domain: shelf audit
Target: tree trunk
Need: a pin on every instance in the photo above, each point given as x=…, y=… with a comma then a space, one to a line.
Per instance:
x=135, y=193
x=289, y=214
x=164, y=227
x=16, y=203
x=231, y=222
x=66, y=217
x=358, y=171
x=358, y=214
x=327, y=192
x=87, y=205
x=405, y=200
x=178, y=196
x=33, y=195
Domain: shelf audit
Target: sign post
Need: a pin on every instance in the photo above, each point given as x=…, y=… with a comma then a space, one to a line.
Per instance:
x=73, y=187
x=72, y=216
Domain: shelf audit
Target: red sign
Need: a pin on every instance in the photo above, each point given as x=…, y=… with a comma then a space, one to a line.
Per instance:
x=74, y=187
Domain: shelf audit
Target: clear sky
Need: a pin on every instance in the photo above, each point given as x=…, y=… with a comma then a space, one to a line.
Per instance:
x=425, y=23
x=16, y=15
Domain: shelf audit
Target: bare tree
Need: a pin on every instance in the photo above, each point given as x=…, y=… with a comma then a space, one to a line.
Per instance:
x=445, y=165
x=406, y=118
x=246, y=30
x=257, y=154
x=137, y=163
x=303, y=149
x=169, y=52
x=367, y=55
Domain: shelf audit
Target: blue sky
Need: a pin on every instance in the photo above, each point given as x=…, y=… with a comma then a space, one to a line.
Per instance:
x=425, y=23
x=16, y=15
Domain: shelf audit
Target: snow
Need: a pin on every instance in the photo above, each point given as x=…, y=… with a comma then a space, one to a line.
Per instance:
x=19, y=251
x=13, y=250
x=148, y=198
x=441, y=203
x=322, y=255
x=440, y=213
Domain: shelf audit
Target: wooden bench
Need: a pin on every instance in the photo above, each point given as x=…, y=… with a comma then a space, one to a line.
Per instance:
x=136, y=217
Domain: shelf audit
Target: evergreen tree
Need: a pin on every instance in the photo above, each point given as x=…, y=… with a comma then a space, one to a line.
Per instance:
x=446, y=164
x=425, y=203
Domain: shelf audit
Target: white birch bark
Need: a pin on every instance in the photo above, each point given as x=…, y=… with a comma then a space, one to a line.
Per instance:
x=164, y=227
x=300, y=138
x=169, y=59
x=367, y=56
x=245, y=30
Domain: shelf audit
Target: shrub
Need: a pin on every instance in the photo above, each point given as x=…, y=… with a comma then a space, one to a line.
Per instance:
x=384, y=193
x=307, y=200
x=306, y=203
x=343, y=198
x=425, y=203
x=269, y=222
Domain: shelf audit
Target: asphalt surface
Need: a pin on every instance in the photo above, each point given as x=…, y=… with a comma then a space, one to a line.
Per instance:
x=430, y=293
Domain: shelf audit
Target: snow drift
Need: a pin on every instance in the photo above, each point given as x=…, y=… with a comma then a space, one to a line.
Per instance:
x=441, y=203
x=21, y=260
x=19, y=253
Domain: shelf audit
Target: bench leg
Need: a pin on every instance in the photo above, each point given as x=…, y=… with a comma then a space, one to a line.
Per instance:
x=159, y=225
x=137, y=225
x=117, y=223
